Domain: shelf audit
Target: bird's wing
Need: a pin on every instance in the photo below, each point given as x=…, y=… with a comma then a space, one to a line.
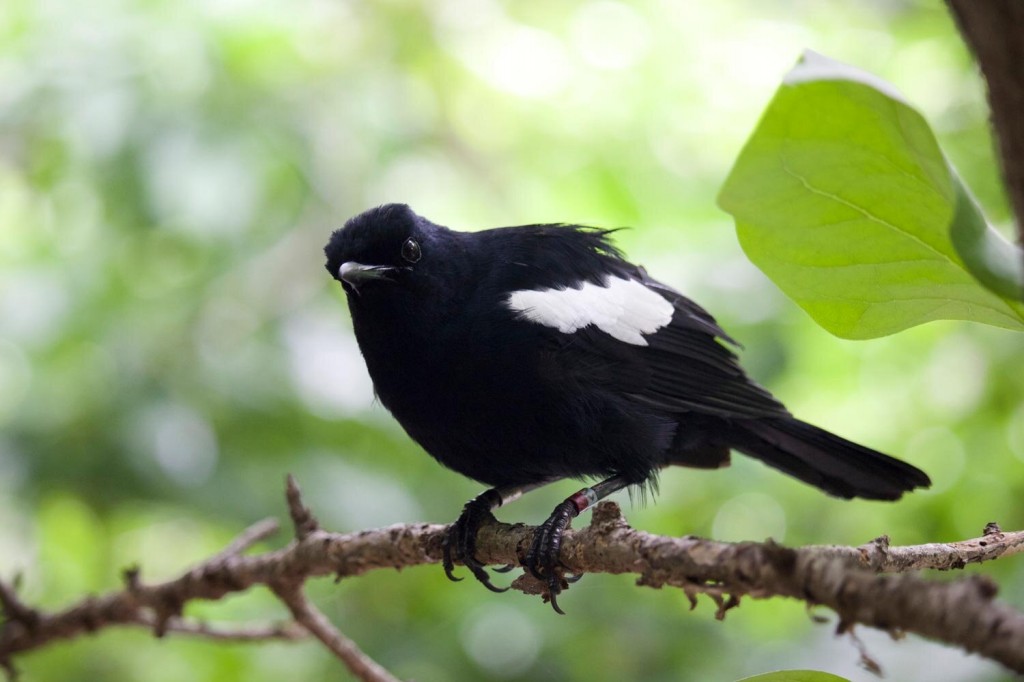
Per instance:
x=682, y=366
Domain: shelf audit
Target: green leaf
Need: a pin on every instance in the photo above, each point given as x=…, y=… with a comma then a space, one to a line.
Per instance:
x=795, y=676
x=844, y=199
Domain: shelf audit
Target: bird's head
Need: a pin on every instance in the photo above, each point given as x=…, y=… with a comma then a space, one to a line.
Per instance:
x=381, y=247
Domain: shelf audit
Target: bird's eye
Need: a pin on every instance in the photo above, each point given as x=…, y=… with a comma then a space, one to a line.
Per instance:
x=411, y=250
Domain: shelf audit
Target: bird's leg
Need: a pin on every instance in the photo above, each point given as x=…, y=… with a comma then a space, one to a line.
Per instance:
x=542, y=559
x=460, y=541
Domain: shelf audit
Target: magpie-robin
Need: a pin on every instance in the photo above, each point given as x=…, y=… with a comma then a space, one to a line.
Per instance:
x=520, y=356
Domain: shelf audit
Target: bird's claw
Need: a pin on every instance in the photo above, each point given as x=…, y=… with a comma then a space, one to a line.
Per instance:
x=460, y=542
x=542, y=560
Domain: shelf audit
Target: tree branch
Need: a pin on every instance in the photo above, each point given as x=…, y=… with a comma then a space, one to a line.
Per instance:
x=994, y=30
x=311, y=618
x=962, y=613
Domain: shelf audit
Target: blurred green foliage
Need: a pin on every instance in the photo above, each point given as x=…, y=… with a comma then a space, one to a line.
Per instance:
x=170, y=346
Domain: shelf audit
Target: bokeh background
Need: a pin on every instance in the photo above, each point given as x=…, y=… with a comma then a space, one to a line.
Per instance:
x=171, y=346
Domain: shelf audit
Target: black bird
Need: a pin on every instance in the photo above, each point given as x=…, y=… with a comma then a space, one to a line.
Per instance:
x=520, y=356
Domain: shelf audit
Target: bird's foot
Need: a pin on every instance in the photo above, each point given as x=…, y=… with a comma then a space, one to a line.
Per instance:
x=542, y=560
x=460, y=542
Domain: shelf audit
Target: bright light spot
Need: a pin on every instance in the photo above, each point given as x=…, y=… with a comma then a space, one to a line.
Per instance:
x=33, y=305
x=520, y=60
x=425, y=182
x=940, y=452
x=177, y=58
x=351, y=497
x=954, y=380
x=501, y=640
x=610, y=35
x=750, y=516
x=204, y=189
x=742, y=290
x=748, y=64
x=817, y=67
x=180, y=441
x=101, y=120
x=397, y=107
x=326, y=367
x=929, y=74
x=459, y=16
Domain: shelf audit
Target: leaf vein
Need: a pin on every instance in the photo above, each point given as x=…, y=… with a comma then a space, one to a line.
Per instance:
x=864, y=212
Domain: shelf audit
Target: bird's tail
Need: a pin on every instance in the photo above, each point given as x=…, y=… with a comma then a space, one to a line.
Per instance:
x=836, y=465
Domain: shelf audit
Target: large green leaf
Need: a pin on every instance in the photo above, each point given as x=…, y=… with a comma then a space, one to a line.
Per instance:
x=795, y=676
x=844, y=199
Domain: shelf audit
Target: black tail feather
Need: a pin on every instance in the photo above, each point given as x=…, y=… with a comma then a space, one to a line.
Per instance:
x=826, y=461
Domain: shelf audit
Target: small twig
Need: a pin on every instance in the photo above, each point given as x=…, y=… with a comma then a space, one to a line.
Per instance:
x=261, y=530
x=14, y=610
x=878, y=556
x=302, y=518
x=311, y=618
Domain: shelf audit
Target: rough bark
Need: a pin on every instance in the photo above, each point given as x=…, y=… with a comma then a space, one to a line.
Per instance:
x=962, y=612
x=994, y=30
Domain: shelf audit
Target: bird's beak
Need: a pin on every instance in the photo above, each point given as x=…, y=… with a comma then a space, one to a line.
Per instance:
x=356, y=274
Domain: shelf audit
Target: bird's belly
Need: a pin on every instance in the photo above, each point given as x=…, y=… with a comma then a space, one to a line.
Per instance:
x=508, y=433
x=496, y=442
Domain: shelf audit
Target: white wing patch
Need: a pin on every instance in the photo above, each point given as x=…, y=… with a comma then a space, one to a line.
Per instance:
x=620, y=307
